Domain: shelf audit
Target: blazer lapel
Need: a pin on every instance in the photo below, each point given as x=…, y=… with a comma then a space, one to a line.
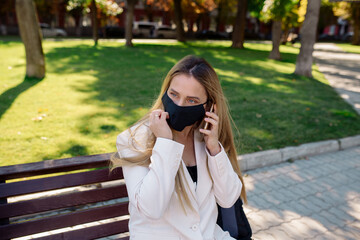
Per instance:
x=190, y=182
x=204, y=182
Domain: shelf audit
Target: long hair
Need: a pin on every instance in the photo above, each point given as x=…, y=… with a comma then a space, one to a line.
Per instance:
x=202, y=71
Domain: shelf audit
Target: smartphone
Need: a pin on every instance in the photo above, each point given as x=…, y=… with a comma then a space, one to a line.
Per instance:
x=211, y=110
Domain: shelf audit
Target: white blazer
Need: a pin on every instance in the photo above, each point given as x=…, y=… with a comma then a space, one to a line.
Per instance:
x=155, y=210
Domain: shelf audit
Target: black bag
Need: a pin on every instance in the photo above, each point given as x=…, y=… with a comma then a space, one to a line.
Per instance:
x=234, y=221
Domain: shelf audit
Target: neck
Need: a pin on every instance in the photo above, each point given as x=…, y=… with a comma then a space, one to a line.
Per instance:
x=185, y=134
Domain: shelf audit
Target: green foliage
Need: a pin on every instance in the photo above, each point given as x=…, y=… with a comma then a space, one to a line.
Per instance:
x=107, y=7
x=289, y=12
x=255, y=7
x=73, y=5
x=90, y=95
x=278, y=9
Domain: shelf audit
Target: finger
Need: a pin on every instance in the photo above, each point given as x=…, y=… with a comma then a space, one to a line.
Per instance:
x=163, y=116
x=156, y=113
x=212, y=115
x=212, y=121
x=206, y=132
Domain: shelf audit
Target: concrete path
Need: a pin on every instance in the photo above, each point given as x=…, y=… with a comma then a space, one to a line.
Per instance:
x=341, y=69
x=314, y=198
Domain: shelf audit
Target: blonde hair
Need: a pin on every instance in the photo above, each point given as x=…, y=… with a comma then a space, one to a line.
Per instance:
x=202, y=71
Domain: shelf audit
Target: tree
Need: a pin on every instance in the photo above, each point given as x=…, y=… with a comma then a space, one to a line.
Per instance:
x=75, y=8
x=275, y=38
x=189, y=10
x=356, y=22
x=238, y=35
x=129, y=22
x=178, y=21
x=293, y=18
x=276, y=11
x=31, y=37
x=107, y=10
x=304, y=60
x=94, y=21
x=351, y=12
x=97, y=8
x=197, y=10
x=220, y=19
x=45, y=10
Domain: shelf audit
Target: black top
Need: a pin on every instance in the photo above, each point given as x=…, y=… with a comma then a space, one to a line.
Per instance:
x=193, y=172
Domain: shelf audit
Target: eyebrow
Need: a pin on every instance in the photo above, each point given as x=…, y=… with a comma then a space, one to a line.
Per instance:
x=171, y=89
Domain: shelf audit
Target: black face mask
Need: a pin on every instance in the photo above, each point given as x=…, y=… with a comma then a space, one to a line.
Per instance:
x=180, y=117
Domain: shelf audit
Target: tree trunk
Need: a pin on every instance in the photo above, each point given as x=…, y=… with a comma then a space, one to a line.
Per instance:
x=94, y=22
x=284, y=37
x=129, y=22
x=31, y=37
x=219, y=15
x=78, y=24
x=276, y=38
x=178, y=21
x=304, y=60
x=356, y=19
x=238, y=36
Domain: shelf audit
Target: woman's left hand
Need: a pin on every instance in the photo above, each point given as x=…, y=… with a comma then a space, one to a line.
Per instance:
x=211, y=135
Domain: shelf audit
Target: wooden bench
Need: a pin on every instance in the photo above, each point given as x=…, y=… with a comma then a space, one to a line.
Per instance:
x=84, y=202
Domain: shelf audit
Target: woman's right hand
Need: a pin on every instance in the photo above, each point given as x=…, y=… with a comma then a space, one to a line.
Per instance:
x=158, y=124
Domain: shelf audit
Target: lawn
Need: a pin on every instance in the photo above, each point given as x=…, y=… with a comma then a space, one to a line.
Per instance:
x=349, y=47
x=90, y=95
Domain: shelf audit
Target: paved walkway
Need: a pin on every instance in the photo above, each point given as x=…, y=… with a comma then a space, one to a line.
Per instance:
x=314, y=198
x=341, y=69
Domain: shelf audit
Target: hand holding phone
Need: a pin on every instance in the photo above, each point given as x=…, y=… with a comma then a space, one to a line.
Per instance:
x=207, y=123
x=211, y=136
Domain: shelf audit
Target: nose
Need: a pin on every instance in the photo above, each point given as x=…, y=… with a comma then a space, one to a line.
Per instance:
x=181, y=102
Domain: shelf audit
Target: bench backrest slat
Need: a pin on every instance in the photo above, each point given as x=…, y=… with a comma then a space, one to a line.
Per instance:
x=72, y=199
x=62, y=221
x=54, y=166
x=104, y=230
x=93, y=200
x=57, y=182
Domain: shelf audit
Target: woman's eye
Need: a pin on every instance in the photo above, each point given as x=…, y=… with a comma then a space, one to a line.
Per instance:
x=192, y=101
x=173, y=94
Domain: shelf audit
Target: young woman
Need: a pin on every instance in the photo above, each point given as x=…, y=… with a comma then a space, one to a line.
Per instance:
x=176, y=170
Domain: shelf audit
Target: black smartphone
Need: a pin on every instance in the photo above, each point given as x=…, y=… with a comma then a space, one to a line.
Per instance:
x=207, y=123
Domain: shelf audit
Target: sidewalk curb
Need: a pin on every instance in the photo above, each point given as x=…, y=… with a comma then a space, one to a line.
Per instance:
x=275, y=156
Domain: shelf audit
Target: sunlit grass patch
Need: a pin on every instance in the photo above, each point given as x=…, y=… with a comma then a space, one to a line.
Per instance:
x=90, y=95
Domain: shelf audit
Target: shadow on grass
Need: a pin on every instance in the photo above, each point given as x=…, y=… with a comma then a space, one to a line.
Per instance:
x=71, y=149
x=9, y=96
x=271, y=107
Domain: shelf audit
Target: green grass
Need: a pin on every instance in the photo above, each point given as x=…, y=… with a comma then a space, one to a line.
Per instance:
x=89, y=95
x=349, y=48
